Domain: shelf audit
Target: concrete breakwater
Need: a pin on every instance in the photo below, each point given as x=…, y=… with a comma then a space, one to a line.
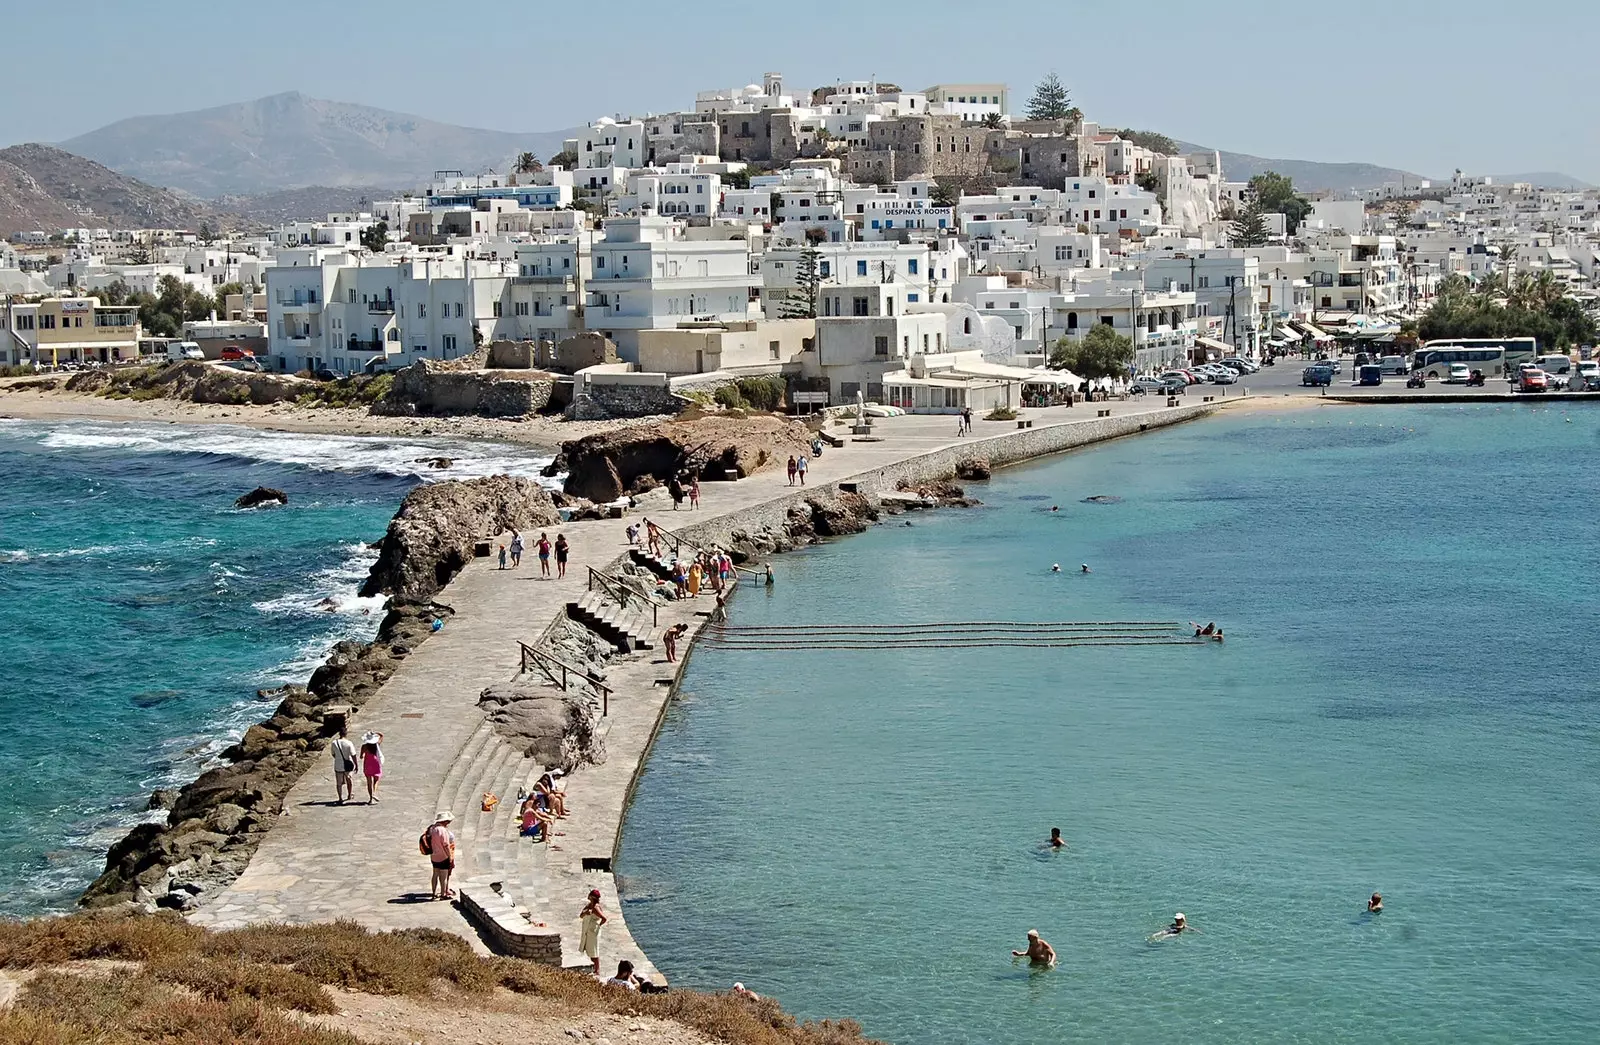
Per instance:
x=324, y=861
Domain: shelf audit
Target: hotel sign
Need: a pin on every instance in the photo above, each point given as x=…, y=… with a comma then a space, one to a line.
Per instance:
x=78, y=307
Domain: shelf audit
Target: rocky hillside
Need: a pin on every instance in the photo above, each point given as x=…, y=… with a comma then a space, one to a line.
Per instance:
x=42, y=187
x=290, y=141
x=312, y=203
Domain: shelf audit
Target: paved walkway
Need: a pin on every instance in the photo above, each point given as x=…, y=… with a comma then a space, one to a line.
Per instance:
x=324, y=861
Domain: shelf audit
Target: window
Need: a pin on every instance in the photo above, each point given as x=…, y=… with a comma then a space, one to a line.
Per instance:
x=861, y=266
x=1109, y=321
x=824, y=268
x=600, y=261
x=911, y=266
x=1063, y=253
x=858, y=306
x=47, y=322
x=774, y=348
x=497, y=310
x=458, y=310
x=1014, y=304
x=352, y=295
x=880, y=345
x=1124, y=213
x=422, y=311
x=913, y=297
x=924, y=342
x=1203, y=282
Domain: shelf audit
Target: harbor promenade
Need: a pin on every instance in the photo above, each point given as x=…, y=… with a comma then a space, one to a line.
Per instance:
x=322, y=861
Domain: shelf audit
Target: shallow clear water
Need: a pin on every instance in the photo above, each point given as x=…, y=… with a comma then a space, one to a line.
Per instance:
x=1406, y=703
x=140, y=612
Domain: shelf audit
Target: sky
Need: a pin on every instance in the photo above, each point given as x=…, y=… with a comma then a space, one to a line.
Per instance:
x=1427, y=86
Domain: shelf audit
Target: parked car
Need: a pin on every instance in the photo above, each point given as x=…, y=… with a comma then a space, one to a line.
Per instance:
x=324, y=374
x=179, y=351
x=1554, y=366
x=1531, y=379
x=1163, y=385
x=1178, y=377
x=1459, y=372
x=1585, y=377
x=1315, y=375
x=247, y=363
x=1224, y=376
x=231, y=352
x=1393, y=364
x=1241, y=364
x=1369, y=374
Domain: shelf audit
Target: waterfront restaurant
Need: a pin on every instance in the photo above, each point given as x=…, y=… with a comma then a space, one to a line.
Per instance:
x=68, y=330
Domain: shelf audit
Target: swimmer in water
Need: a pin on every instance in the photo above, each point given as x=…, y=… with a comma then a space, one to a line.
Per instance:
x=1178, y=927
x=1039, y=952
x=1375, y=905
x=1055, y=567
x=1056, y=841
x=1055, y=507
x=1084, y=567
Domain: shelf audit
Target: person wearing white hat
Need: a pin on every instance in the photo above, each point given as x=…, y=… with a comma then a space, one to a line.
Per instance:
x=1039, y=952
x=1179, y=925
x=442, y=852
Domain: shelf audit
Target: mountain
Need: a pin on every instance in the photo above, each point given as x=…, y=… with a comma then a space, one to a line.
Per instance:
x=312, y=203
x=289, y=141
x=1308, y=175
x=1544, y=180
x=42, y=187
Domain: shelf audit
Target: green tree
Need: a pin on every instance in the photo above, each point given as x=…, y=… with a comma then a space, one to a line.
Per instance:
x=1249, y=229
x=994, y=121
x=802, y=304
x=1102, y=352
x=114, y=293
x=565, y=159
x=1051, y=101
x=208, y=232
x=527, y=163
x=139, y=254
x=1151, y=140
x=226, y=289
x=373, y=237
x=946, y=192
x=1149, y=181
x=739, y=179
x=1275, y=194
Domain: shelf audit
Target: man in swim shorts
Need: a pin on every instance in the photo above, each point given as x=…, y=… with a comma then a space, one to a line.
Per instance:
x=1056, y=841
x=1039, y=952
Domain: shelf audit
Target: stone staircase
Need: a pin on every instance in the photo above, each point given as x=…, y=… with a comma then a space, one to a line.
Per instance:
x=625, y=627
x=660, y=567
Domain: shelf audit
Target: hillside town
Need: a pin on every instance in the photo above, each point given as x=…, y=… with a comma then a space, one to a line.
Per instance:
x=937, y=250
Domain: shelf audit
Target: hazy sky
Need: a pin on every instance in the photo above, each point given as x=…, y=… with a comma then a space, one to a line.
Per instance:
x=1424, y=85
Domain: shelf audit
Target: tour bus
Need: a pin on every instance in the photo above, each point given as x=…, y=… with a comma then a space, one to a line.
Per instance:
x=1491, y=355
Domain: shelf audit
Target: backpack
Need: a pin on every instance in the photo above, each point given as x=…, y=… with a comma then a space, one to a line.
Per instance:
x=424, y=844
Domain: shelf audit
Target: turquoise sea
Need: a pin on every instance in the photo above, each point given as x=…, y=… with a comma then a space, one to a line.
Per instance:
x=1406, y=702
x=140, y=612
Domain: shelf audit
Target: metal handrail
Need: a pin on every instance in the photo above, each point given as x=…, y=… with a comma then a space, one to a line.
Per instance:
x=676, y=538
x=622, y=593
x=545, y=661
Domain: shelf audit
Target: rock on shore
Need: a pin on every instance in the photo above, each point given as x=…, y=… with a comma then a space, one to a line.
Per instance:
x=605, y=466
x=215, y=823
x=431, y=537
x=554, y=728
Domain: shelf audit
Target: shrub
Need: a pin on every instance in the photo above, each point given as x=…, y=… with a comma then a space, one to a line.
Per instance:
x=1001, y=413
x=762, y=393
x=25, y=370
x=51, y=941
x=223, y=978
x=729, y=396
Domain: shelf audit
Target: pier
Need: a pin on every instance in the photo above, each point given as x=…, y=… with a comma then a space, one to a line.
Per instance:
x=323, y=861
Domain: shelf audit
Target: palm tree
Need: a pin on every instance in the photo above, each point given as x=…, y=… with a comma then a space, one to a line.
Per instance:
x=527, y=163
x=993, y=121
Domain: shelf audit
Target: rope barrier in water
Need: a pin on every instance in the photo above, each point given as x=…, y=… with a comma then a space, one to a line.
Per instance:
x=938, y=644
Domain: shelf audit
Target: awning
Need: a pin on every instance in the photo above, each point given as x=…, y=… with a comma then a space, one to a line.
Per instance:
x=1320, y=335
x=1215, y=346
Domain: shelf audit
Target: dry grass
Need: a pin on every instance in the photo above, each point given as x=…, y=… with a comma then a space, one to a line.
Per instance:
x=60, y=1007
x=235, y=984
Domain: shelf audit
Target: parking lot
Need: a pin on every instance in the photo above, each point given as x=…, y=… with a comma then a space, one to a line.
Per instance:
x=1284, y=379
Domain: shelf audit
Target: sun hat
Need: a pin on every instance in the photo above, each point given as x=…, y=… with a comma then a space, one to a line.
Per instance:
x=1178, y=917
x=444, y=816
x=1033, y=932
x=594, y=894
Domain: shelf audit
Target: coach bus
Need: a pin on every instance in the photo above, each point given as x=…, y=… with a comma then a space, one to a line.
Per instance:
x=1492, y=355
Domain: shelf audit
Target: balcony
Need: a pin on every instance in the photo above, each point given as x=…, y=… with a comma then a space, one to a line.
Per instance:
x=356, y=344
x=541, y=279
x=376, y=307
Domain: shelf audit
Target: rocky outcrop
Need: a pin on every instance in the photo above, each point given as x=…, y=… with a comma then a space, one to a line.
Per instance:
x=604, y=466
x=261, y=495
x=973, y=468
x=432, y=536
x=214, y=824
x=195, y=381
x=553, y=727
x=941, y=492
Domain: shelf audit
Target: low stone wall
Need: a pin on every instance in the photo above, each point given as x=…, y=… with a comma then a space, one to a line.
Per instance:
x=508, y=931
x=422, y=389
x=1009, y=448
x=596, y=400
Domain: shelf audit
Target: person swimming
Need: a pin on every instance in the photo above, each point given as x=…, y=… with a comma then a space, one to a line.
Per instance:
x=1055, y=567
x=1056, y=841
x=1178, y=927
x=1375, y=905
x=1039, y=952
x=1055, y=507
x=1084, y=567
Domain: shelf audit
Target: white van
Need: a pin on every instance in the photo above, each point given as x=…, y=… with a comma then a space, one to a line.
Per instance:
x=178, y=351
x=1554, y=365
x=1392, y=365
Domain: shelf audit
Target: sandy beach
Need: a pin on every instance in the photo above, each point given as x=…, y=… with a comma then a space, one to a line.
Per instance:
x=34, y=404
